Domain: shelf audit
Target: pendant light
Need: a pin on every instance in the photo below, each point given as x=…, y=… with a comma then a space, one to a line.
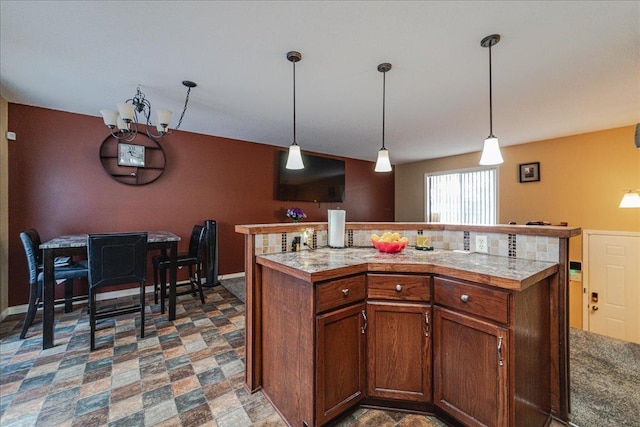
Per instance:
x=631, y=199
x=294, y=160
x=383, y=164
x=491, y=151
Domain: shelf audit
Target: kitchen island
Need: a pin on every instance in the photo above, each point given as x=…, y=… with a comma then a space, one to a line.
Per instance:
x=475, y=339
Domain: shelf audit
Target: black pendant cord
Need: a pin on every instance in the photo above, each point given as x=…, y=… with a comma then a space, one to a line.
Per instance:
x=490, y=98
x=184, y=110
x=294, y=103
x=384, y=85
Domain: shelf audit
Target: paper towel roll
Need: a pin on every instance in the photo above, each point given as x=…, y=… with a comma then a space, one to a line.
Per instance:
x=336, y=227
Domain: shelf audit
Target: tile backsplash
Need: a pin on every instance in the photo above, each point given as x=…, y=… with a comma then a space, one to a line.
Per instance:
x=539, y=248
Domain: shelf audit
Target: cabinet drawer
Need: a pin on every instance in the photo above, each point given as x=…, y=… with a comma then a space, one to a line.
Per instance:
x=398, y=287
x=339, y=292
x=488, y=303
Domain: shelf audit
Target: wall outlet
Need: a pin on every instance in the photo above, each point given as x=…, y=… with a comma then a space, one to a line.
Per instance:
x=482, y=244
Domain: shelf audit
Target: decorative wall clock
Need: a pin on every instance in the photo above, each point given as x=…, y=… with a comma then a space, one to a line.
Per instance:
x=130, y=155
x=133, y=164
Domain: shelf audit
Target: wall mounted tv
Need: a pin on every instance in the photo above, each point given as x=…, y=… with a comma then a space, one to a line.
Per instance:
x=321, y=180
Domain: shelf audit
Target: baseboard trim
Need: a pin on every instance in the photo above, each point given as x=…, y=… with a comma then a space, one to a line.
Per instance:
x=21, y=309
x=231, y=276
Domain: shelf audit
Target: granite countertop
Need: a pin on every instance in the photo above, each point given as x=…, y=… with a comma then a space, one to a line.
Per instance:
x=326, y=263
x=80, y=240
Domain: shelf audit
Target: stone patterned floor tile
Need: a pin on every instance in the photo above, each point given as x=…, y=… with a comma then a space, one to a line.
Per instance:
x=185, y=373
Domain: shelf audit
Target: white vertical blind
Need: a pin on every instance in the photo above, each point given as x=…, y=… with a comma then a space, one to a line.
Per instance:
x=463, y=197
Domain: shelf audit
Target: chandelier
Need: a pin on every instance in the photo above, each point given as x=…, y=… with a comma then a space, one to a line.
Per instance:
x=123, y=123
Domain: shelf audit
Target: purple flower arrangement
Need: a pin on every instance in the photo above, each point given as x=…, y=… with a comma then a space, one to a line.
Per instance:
x=296, y=214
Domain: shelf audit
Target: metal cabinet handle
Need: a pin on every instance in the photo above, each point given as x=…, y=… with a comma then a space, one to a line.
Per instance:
x=500, y=361
x=464, y=297
x=345, y=292
x=398, y=287
x=426, y=322
x=363, y=329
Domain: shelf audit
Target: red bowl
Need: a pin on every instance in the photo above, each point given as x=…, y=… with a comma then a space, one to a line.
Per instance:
x=389, y=247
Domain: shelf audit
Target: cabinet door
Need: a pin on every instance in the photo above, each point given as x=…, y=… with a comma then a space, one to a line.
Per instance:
x=340, y=361
x=470, y=369
x=398, y=348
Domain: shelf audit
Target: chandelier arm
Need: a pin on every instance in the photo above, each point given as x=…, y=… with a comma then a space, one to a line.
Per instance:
x=147, y=113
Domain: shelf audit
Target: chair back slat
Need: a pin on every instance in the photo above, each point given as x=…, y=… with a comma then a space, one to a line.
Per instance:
x=117, y=258
x=194, y=241
x=31, y=243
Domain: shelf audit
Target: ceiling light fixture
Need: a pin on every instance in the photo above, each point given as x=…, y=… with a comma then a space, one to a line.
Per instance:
x=383, y=164
x=631, y=199
x=491, y=151
x=294, y=160
x=123, y=123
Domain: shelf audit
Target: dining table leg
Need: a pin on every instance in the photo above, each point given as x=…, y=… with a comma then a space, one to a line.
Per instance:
x=48, y=300
x=173, y=275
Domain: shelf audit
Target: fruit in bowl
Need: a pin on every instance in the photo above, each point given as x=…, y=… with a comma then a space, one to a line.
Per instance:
x=389, y=242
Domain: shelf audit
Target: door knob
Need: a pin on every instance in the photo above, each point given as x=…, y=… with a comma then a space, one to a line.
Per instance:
x=594, y=307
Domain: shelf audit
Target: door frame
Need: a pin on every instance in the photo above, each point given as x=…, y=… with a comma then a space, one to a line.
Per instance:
x=585, y=267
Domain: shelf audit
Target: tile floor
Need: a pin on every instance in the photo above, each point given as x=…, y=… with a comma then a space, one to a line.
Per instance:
x=188, y=372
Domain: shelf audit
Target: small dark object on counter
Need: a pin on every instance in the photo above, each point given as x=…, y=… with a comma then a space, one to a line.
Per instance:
x=424, y=248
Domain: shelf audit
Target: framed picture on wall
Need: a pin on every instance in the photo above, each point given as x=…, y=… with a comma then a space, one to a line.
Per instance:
x=530, y=172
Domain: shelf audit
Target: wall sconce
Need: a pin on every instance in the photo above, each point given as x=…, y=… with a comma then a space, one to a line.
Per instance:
x=123, y=123
x=631, y=199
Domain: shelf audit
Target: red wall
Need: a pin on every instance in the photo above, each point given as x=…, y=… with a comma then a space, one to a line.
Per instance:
x=58, y=186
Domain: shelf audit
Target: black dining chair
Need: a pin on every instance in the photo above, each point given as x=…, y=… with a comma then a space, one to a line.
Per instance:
x=68, y=272
x=193, y=260
x=115, y=259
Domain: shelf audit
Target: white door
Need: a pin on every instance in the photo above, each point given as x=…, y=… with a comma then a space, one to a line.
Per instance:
x=611, y=274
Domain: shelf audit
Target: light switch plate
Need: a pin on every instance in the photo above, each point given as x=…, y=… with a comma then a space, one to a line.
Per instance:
x=482, y=244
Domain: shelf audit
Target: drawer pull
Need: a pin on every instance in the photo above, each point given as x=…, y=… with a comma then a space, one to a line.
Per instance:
x=345, y=292
x=363, y=329
x=398, y=287
x=426, y=322
x=500, y=361
x=464, y=297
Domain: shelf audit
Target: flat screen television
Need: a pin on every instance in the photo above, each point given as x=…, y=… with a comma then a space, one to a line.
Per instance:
x=321, y=180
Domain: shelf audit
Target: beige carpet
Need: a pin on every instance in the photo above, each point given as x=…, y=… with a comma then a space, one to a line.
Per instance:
x=605, y=381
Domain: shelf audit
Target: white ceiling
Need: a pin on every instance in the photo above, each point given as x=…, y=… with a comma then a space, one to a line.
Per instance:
x=561, y=68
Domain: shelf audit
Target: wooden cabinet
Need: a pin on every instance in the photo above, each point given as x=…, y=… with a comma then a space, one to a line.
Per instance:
x=313, y=346
x=398, y=337
x=472, y=354
x=491, y=353
x=470, y=368
x=340, y=361
x=398, y=350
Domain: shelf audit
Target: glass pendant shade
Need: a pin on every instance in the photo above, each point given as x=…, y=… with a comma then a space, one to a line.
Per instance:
x=110, y=118
x=383, y=164
x=163, y=117
x=294, y=160
x=630, y=200
x=491, y=152
x=126, y=111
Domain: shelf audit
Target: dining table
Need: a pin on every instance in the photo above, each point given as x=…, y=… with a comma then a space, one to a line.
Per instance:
x=76, y=245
